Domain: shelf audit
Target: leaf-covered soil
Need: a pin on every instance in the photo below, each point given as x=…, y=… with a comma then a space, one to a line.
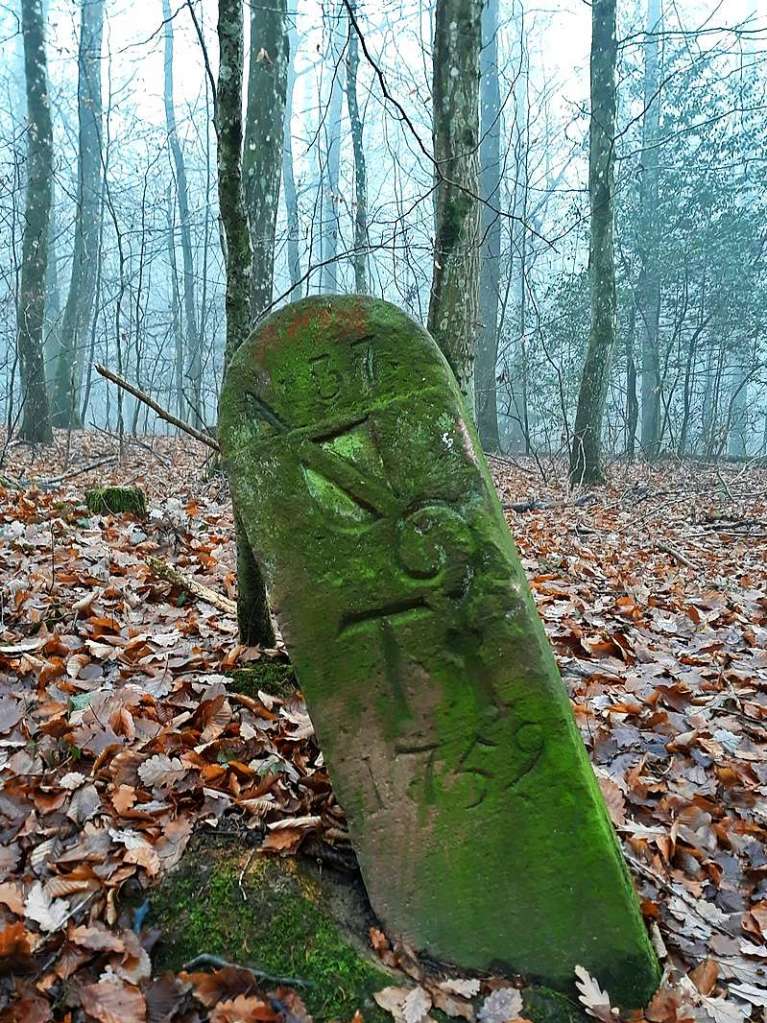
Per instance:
x=121, y=735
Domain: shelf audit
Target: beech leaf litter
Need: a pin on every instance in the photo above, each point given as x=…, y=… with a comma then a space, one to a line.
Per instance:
x=120, y=736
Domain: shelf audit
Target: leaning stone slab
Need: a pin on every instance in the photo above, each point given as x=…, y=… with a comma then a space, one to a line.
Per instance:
x=480, y=830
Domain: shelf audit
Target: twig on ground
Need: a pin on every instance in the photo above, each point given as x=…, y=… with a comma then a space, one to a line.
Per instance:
x=676, y=555
x=197, y=589
x=217, y=963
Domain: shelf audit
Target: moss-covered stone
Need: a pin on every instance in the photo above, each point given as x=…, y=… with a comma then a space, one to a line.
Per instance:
x=284, y=918
x=116, y=500
x=480, y=830
x=273, y=677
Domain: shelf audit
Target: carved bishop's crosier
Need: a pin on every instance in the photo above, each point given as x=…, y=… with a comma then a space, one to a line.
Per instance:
x=474, y=812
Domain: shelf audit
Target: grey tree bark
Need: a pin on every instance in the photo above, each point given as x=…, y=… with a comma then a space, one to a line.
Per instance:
x=264, y=126
x=585, y=461
x=288, y=177
x=193, y=371
x=79, y=311
x=36, y=419
x=360, y=258
x=252, y=602
x=648, y=292
x=490, y=229
x=331, y=164
x=454, y=302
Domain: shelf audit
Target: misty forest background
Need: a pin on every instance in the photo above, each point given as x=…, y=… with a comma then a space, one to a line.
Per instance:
x=122, y=185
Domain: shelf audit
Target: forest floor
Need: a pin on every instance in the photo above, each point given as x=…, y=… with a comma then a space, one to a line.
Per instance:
x=114, y=717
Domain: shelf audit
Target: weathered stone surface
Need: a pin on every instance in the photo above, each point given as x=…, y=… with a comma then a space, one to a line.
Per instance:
x=479, y=827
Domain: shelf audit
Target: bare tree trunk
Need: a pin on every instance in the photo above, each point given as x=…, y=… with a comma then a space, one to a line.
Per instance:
x=78, y=312
x=288, y=178
x=585, y=463
x=36, y=420
x=360, y=168
x=193, y=340
x=52, y=324
x=490, y=252
x=264, y=126
x=454, y=303
x=648, y=292
x=175, y=309
x=331, y=166
x=252, y=603
x=632, y=402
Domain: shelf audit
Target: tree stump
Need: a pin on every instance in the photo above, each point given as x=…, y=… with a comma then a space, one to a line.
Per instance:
x=116, y=500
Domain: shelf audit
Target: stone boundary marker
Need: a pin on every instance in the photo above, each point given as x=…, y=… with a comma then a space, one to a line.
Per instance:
x=478, y=823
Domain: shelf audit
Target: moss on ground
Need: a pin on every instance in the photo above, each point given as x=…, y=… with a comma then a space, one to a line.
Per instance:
x=115, y=500
x=541, y=1005
x=277, y=919
x=273, y=677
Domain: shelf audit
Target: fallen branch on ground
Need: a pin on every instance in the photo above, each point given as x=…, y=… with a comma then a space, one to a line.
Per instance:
x=172, y=575
x=200, y=435
x=677, y=555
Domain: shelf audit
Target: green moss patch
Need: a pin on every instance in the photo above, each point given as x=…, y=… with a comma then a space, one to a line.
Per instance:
x=541, y=1005
x=276, y=919
x=116, y=500
x=273, y=677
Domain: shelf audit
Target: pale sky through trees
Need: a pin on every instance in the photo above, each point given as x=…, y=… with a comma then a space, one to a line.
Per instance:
x=714, y=49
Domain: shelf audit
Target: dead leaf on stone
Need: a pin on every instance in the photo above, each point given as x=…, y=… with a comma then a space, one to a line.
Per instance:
x=591, y=996
x=416, y=1006
x=501, y=1006
x=458, y=986
x=392, y=1000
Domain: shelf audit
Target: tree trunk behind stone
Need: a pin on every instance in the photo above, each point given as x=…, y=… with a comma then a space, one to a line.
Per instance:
x=79, y=310
x=36, y=419
x=288, y=176
x=649, y=274
x=252, y=604
x=454, y=303
x=490, y=252
x=331, y=166
x=360, y=169
x=194, y=400
x=585, y=464
x=264, y=126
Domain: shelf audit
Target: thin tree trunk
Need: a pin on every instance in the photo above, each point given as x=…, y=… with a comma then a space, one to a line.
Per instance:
x=36, y=420
x=360, y=169
x=175, y=310
x=264, y=126
x=288, y=177
x=252, y=603
x=52, y=325
x=648, y=291
x=632, y=401
x=454, y=302
x=78, y=312
x=193, y=342
x=490, y=253
x=585, y=462
x=331, y=168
